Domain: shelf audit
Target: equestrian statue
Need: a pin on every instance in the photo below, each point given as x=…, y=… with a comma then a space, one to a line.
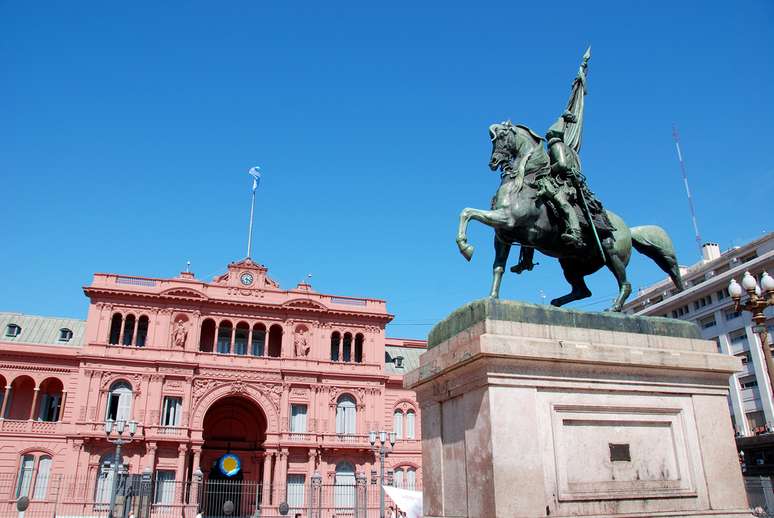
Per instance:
x=543, y=203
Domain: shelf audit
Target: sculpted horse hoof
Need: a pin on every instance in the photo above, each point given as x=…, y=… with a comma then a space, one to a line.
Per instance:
x=466, y=250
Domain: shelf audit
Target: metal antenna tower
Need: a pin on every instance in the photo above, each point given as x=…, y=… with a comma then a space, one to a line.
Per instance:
x=676, y=136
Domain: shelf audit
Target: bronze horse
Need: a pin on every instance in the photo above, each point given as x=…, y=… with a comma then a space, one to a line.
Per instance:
x=519, y=216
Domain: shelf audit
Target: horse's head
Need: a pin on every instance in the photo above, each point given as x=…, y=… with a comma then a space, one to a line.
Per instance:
x=504, y=149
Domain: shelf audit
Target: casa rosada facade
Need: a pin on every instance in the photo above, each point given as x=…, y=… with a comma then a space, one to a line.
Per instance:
x=285, y=383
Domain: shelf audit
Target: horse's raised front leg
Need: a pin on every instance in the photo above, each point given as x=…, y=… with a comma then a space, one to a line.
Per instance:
x=493, y=218
x=501, y=259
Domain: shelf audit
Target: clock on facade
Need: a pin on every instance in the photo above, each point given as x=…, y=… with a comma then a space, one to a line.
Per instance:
x=246, y=278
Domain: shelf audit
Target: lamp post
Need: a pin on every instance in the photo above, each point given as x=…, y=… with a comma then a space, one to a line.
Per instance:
x=119, y=426
x=758, y=299
x=383, y=450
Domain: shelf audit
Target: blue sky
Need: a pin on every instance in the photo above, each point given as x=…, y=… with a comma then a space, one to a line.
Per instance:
x=127, y=131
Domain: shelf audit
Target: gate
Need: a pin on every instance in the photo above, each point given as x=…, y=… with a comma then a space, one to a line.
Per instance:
x=157, y=496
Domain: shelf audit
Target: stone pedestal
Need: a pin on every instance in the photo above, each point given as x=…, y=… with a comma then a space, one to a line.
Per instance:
x=533, y=411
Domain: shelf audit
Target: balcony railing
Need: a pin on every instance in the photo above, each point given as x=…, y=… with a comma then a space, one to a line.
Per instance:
x=166, y=431
x=28, y=426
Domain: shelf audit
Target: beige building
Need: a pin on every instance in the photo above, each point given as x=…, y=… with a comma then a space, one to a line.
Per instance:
x=706, y=302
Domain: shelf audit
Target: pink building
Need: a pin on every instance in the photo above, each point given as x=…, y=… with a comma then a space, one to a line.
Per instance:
x=285, y=383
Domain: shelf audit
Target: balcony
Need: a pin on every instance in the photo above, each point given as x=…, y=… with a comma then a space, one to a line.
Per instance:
x=166, y=432
x=28, y=426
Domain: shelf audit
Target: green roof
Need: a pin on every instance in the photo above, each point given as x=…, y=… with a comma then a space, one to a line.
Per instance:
x=41, y=330
x=410, y=358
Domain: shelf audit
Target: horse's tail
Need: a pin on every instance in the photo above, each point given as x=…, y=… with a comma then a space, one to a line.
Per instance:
x=654, y=242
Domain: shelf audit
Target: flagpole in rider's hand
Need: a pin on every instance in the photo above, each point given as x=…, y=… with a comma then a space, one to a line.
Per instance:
x=255, y=172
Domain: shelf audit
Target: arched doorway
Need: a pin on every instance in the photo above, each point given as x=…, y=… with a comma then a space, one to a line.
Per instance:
x=234, y=431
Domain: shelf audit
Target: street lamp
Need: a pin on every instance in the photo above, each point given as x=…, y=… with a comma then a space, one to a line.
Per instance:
x=759, y=298
x=119, y=426
x=383, y=451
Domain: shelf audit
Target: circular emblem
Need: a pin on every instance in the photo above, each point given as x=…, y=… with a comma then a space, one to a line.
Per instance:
x=229, y=465
x=284, y=508
x=228, y=507
x=246, y=278
x=22, y=504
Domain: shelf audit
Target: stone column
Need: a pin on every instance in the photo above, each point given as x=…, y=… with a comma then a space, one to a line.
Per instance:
x=134, y=331
x=123, y=330
x=36, y=393
x=266, y=479
x=60, y=417
x=233, y=334
x=6, y=397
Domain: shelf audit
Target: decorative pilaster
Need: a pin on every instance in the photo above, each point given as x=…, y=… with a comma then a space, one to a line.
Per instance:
x=182, y=450
x=266, y=479
x=150, y=455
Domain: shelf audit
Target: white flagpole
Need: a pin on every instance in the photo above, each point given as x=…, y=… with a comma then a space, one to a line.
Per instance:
x=255, y=172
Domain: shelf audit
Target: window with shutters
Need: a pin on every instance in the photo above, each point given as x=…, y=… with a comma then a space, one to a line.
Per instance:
x=297, y=418
x=296, y=494
x=24, y=479
x=397, y=424
x=345, y=415
x=165, y=487
x=410, y=424
x=344, y=488
x=41, y=478
x=119, y=406
x=172, y=411
x=398, y=478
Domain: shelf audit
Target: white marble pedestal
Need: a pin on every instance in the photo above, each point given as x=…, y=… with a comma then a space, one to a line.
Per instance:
x=532, y=411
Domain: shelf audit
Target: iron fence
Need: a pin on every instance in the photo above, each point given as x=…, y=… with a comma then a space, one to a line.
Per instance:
x=154, y=495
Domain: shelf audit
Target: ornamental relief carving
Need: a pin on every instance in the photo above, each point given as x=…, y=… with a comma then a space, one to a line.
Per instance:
x=242, y=374
x=272, y=392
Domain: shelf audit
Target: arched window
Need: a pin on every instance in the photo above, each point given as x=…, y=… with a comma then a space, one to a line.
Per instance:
x=359, y=348
x=142, y=331
x=240, y=338
x=129, y=322
x=397, y=424
x=119, y=404
x=410, y=424
x=275, y=341
x=344, y=486
x=207, y=336
x=115, y=329
x=259, y=340
x=224, y=337
x=345, y=415
x=335, y=341
x=32, y=482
